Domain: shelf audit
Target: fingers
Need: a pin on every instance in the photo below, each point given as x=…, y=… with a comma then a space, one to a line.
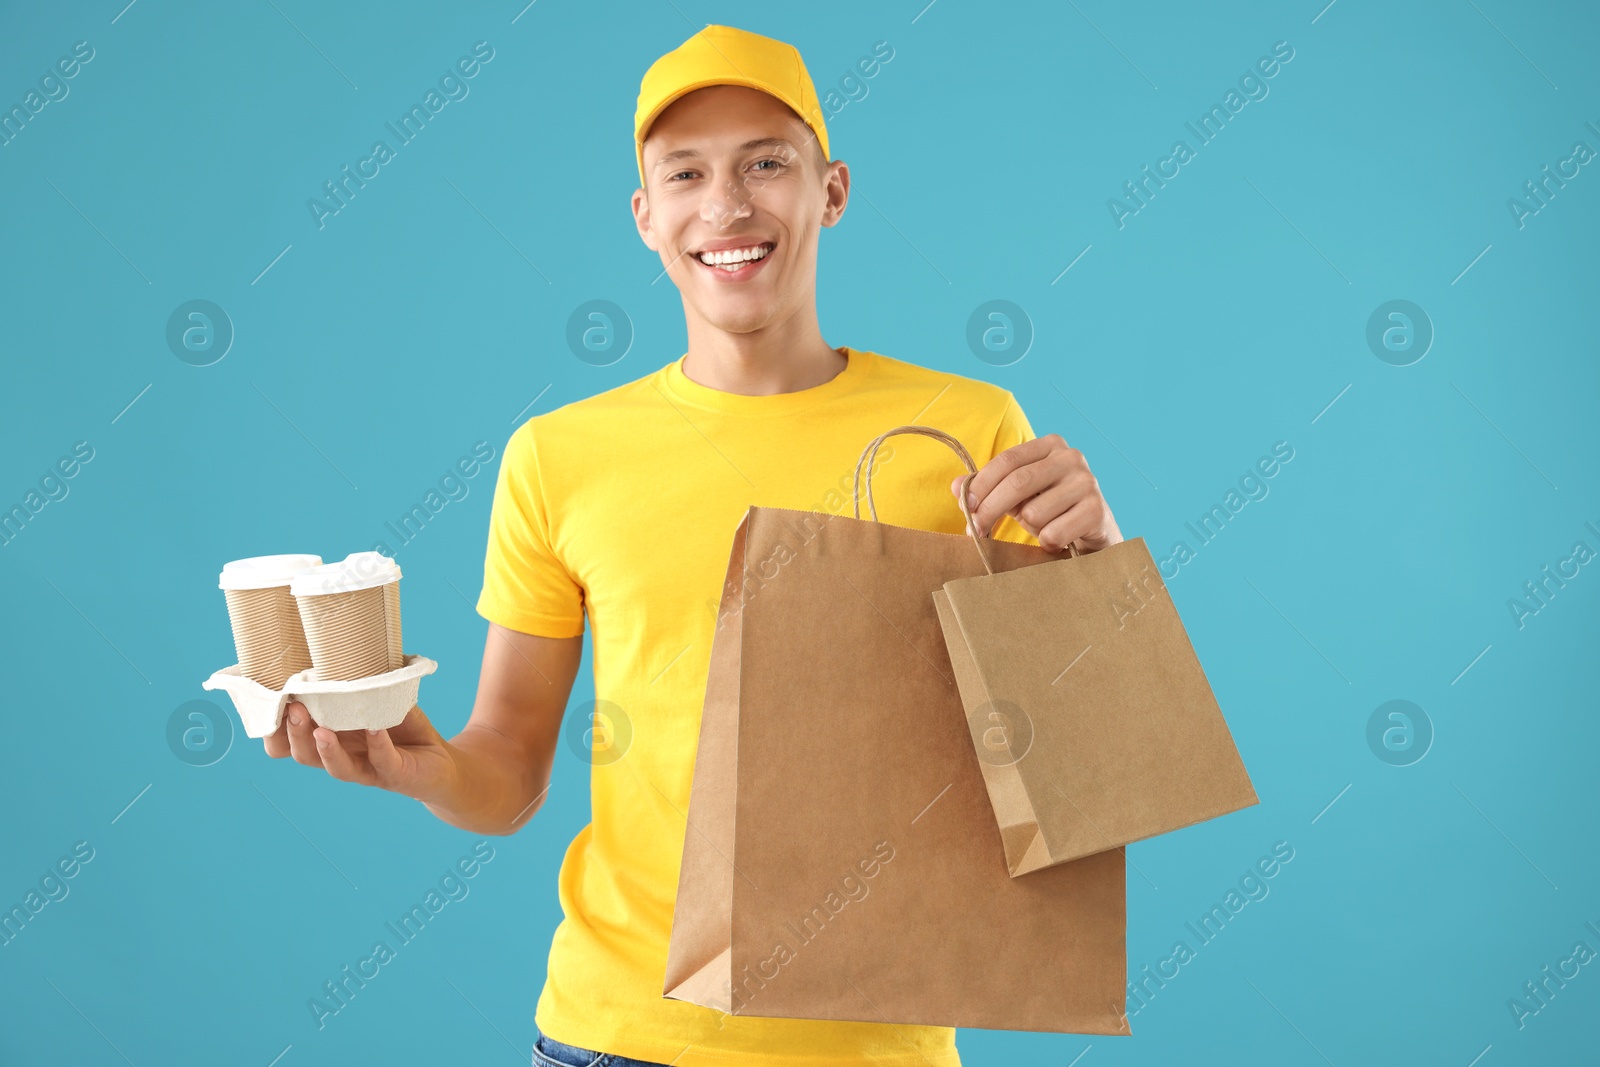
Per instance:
x=1021, y=486
x=385, y=759
x=1080, y=519
x=1089, y=522
x=959, y=489
x=277, y=742
x=1009, y=490
x=339, y=761
x=302, y=746
x=367, y=757
x=1002, y=465
x=1053, y=502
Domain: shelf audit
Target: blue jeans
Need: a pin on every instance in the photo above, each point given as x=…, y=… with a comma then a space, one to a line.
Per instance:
x=548, y=1052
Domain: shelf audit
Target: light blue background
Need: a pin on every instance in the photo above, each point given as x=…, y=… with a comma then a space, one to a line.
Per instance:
x=431, y=313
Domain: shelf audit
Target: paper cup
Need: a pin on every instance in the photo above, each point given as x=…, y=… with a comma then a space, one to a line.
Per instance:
x=350, y=611
x=267, y=633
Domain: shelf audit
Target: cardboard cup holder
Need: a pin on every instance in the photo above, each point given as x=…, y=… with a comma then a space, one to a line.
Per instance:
x=376, y=702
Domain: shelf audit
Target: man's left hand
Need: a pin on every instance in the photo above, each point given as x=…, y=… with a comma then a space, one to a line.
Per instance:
x=1047, y=487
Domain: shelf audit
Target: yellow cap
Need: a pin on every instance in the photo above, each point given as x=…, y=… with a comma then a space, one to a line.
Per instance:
x=722, y=55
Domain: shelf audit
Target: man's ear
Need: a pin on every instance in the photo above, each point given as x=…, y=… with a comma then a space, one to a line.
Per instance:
x=836, y=185
x=641, y=219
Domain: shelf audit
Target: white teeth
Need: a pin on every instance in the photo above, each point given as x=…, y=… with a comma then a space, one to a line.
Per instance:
x=735, y=256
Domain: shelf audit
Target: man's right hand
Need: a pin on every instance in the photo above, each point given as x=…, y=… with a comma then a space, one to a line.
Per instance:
x=488, y=779
x=411, y=758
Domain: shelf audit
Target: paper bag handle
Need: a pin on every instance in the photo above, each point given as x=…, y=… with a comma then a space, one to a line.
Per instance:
x=870, y=453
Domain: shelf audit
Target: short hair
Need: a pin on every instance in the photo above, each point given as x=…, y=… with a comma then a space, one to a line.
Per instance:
x=817, y=154
x=821, y=156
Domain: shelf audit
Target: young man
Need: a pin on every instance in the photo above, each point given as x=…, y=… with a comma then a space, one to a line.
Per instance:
x=620, y=509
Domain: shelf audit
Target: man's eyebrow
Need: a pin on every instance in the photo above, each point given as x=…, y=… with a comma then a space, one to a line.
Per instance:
x=759, y=142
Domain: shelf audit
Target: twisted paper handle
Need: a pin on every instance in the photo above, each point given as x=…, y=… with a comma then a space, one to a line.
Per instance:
x=869, y=454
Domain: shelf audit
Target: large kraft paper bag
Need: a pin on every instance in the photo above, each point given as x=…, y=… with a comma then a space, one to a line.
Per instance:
x=841, y=859
x=1087, y=707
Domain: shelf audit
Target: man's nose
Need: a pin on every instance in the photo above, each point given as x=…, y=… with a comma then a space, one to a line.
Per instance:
x=726, y=205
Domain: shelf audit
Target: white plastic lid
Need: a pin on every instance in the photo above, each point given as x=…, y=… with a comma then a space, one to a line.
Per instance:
x=358, y=570
x=264, y=572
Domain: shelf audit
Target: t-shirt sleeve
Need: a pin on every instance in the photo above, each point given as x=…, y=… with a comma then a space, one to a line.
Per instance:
x=1014, y=429
x=526, y=586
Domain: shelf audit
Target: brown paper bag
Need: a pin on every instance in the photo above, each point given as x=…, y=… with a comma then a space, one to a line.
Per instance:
x=841, y=859
x=1093, y=722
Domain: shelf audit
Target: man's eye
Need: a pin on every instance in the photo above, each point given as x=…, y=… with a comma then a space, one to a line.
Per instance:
x=774, y=162
x=681, y=173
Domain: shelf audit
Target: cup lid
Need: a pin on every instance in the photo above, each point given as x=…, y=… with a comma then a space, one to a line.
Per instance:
x=358, y=570
x=264, y=572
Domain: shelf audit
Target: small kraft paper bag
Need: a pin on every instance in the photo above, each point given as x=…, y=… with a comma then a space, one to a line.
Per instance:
x=1092, y=720
x=841, y=859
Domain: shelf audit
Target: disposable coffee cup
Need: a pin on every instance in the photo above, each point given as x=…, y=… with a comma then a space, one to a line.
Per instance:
x=267, y=633
x=350, y=611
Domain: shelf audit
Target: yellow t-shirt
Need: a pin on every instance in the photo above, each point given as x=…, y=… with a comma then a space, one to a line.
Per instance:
x=622, y=506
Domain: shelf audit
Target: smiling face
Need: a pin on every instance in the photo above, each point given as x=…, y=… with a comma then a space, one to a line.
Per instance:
x=736, y=193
